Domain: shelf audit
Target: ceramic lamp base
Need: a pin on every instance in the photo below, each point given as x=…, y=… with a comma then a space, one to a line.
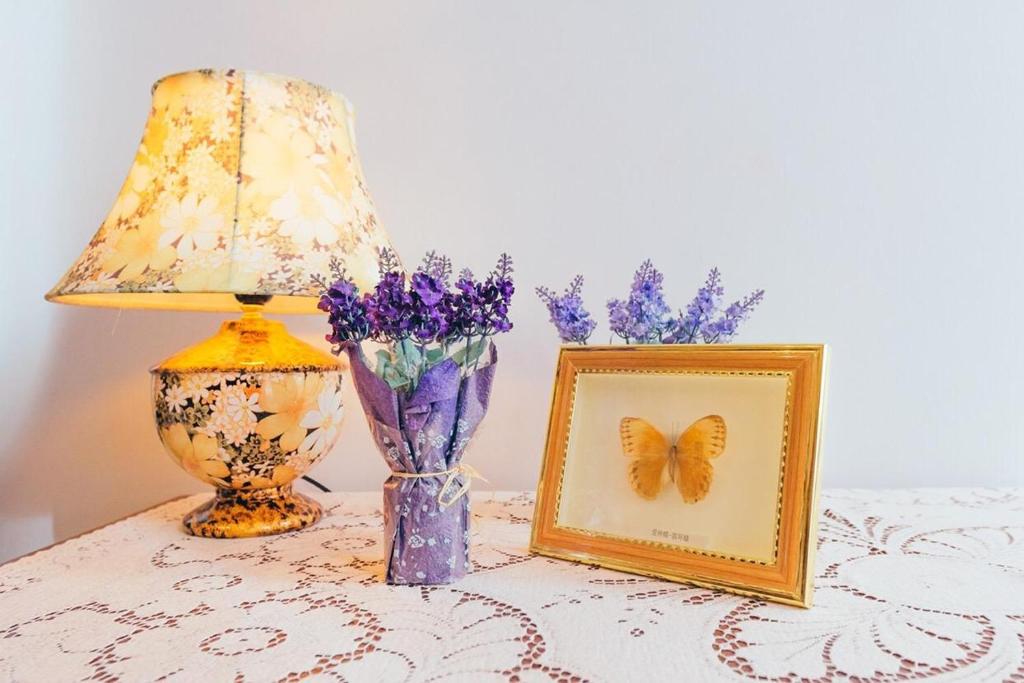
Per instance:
x=261, y=512
x=248, y=411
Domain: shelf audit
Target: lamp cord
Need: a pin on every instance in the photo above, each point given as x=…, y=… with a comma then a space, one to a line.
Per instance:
x=315, y=483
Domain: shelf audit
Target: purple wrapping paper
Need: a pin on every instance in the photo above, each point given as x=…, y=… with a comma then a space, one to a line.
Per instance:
x=425, y=431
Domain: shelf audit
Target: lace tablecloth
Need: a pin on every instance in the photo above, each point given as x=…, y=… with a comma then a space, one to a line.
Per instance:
x=910, y=584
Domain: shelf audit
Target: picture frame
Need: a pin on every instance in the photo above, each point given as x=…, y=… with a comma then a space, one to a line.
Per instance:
x=732, y=505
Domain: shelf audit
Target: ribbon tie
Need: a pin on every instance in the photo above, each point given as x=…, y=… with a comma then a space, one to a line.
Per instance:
x=461, y=468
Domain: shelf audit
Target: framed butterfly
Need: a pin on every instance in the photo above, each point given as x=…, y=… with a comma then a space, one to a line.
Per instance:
x=655, y=462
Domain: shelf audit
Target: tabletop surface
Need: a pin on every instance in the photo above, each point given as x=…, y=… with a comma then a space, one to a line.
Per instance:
x=910, y=584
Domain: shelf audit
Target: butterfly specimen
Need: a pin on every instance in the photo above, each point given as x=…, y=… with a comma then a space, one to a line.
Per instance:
x=653, y=461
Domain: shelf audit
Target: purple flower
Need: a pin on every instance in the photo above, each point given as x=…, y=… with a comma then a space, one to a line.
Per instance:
x=568, y=315
x=618, y=318
x=346, y=313
x=497, y=297
x=422, y=317
x=428, y=326
x=496, y=294
x=703, y=321
x=699, y=312
x=427, y=321
x=498, y=291
x=643, y=317
x=481, y=308
x=461, y=308
x=724, y=328
x=429, y=289
x=390, y=308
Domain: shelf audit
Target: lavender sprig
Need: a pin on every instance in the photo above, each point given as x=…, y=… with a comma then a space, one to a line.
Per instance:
x=701, y=309
x=643, y=317
x=437, y=266
x=390, y=308
x=387, y=261
x=426, y=316
x=619, y=319
x=568, y=315
x=496, y=295
x=724, y=328
x=346, y=313
x=504, y=269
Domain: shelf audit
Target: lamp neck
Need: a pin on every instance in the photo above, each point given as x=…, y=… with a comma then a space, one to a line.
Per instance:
x=252, y=305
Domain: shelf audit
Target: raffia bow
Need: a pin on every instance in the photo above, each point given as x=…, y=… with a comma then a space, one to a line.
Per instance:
x=462, y=468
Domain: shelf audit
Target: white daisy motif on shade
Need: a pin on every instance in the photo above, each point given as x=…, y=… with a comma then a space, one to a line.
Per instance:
x=308, y=217
x=191, y=224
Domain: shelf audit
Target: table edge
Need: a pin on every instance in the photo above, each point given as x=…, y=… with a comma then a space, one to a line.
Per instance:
x=7, y=563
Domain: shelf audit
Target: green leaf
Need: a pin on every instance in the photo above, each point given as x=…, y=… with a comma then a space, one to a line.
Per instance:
x=466, y=356
x=395, y=378
x=407, y=356
x=398, y=365
x=434, y=356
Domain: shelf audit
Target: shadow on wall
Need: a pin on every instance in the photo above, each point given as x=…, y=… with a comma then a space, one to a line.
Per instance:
x=75, y=456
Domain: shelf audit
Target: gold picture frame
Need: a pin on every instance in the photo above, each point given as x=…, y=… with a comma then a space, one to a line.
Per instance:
x=753, y=531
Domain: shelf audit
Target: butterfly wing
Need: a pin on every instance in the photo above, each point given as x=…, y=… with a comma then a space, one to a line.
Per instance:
x=647, y=450
x=702, y=441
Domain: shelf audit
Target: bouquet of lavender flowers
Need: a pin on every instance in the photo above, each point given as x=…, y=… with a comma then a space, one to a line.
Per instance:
x=644, y=318
x=423, y=398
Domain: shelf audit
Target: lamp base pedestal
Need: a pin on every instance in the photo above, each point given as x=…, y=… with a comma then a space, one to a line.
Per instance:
x=256, y=512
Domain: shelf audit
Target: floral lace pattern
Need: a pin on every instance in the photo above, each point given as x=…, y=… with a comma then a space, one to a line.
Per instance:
x=243, y=182
x=911, y=585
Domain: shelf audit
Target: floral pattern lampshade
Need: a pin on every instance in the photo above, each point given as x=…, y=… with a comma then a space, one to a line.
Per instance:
x=244, y=183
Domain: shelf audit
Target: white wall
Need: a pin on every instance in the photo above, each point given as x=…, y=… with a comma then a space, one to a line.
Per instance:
x=862, y=161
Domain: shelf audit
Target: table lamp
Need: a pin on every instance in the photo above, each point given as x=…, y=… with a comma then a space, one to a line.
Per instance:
x=245, y=190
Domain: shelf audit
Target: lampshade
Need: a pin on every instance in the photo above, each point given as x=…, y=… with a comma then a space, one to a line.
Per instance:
x=244, y=183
